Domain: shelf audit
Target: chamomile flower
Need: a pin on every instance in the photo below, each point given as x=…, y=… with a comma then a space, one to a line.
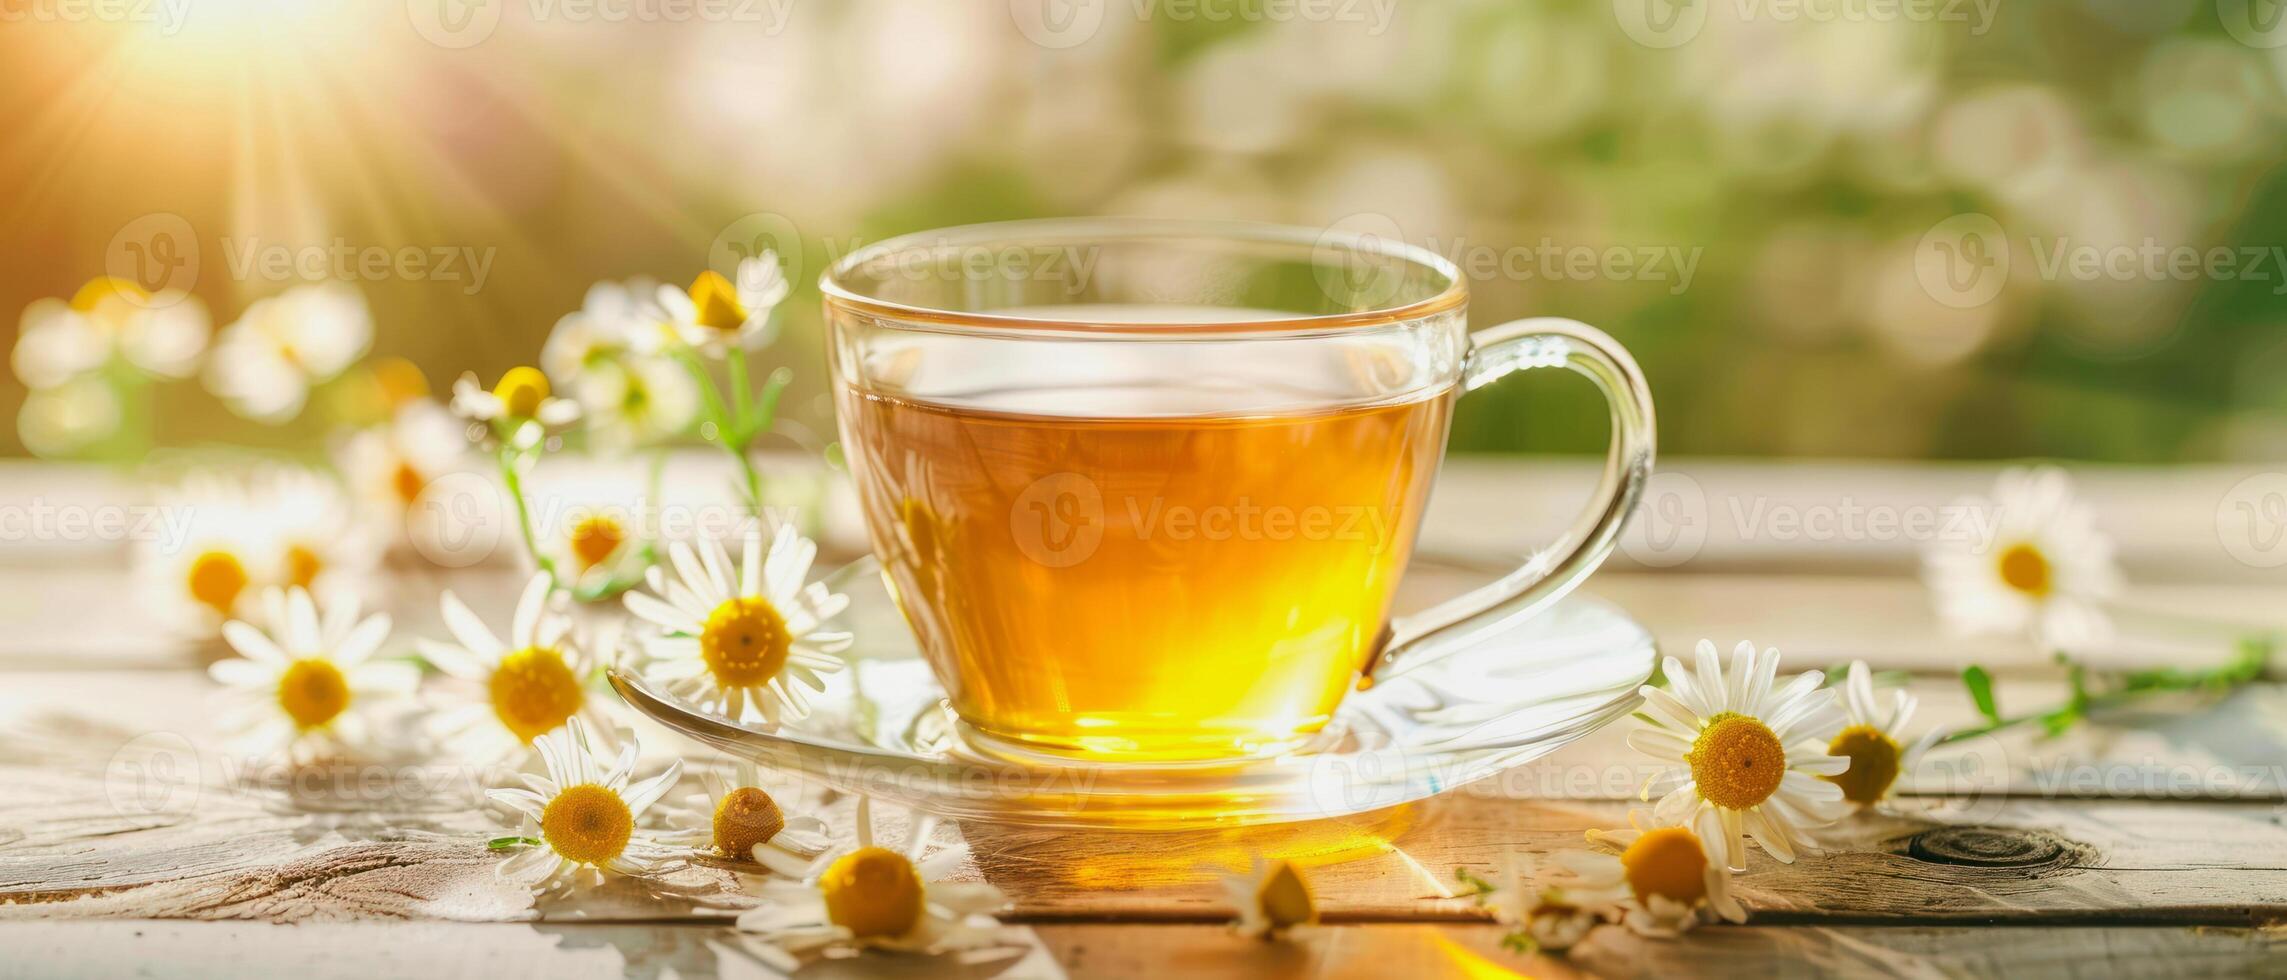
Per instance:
x=1872, y=739
x=388, y=466
x=265, y=363
x=1669, y=877
x=319, y=542
x=224, y=557
x=590, y=544
x=749, y=638
x=871, y=896
x=1744, y=752
x=519, y=690
x=751, y=817
x=584, y=814
x=603, y=354
x=717, y=312
x=162, y=334
x=635, y=400
x=309, y=679
x=614, y=318
x=2046, y=572
x=1548, y=916
x=519, y=408
x=1271, y=898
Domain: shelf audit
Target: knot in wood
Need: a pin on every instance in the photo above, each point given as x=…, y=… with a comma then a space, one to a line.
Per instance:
x=1986, y=847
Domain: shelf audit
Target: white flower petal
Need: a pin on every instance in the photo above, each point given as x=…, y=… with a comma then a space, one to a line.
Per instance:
x=362, y=641
x=253, y=644
x=640, y=796
x=525, y=628
x=243, y=673
x=452, y=659
x=474, y=637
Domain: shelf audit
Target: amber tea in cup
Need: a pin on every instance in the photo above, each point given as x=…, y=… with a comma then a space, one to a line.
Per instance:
x=1144, y=491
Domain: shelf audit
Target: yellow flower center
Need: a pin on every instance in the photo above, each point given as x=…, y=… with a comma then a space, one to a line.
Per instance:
x=1873, y=763
x=313, y=691
x=1667, y=862
x=408, y=482
x=873, y=892
x=2023, y=567
x=587, y=824
x=105, y=289
x=534, y=692
x=745, y=642
x=1737, y=761
x=216, y=578
x=1284, y=897
x=596, y=538
x=521, y=391
x=717, y=302
x=746, y=816
x=303, y=565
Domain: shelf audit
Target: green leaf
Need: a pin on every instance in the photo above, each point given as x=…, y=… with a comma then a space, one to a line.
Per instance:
x=1519, y=942
x=1980, y=686
x=504, y=843
x=1475, y=884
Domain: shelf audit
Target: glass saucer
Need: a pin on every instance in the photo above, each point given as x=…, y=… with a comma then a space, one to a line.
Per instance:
x=882, y=728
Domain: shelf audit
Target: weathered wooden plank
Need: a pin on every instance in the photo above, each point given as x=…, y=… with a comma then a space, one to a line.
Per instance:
x=83, y=826
x=2071, y=861
x=1474, y=951
x=2182, y=748
x=75, y=618
x=450, y=951
x=1857, y=516
x=239, y=856
x=1733, y=515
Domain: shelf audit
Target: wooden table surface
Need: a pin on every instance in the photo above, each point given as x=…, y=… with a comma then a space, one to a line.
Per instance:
x=2151, y=844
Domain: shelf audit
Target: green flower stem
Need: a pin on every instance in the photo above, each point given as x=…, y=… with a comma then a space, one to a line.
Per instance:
x=706, y=379
x=742, y=394
x=766, y=409
x=2245, y=667
x=512, y=462
x=741, y=418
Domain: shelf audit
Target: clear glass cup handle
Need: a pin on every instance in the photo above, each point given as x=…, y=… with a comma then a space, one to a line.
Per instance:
x=1496, y=353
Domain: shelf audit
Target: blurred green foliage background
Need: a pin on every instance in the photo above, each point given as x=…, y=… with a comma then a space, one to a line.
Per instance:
x=1821, y=165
